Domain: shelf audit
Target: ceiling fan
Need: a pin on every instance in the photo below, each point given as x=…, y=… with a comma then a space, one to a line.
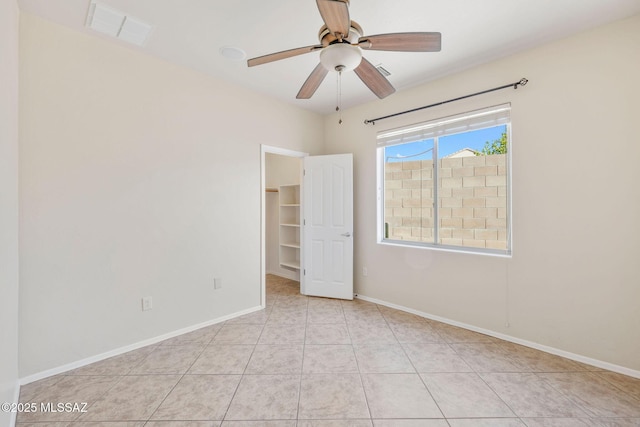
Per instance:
x=341, y=44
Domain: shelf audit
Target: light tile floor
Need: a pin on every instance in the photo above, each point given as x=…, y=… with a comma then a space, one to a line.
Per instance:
x=314, y=362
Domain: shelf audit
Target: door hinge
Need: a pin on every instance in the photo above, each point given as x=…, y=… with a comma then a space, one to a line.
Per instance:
x=304, y=172
x=304, y=272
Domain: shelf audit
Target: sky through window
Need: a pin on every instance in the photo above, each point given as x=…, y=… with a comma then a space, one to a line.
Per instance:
x=422, y=150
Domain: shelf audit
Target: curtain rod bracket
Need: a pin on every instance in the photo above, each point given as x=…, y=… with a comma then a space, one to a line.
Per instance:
x=523, y=81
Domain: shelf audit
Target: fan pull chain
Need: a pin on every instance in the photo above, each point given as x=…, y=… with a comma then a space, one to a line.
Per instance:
x=339, y=96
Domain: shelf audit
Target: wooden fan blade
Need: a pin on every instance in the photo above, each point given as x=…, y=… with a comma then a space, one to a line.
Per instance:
x=374, y=79
x=335, y=14
x=281, y=55
x=402, y=42
x=313, y=82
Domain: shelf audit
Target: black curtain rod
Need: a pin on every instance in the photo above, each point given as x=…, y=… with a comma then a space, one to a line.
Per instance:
x=515, y=85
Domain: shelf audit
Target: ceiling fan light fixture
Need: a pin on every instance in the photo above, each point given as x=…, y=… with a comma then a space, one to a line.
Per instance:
x=340, y=57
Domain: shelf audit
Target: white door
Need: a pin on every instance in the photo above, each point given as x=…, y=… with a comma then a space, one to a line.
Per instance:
x=327, y=267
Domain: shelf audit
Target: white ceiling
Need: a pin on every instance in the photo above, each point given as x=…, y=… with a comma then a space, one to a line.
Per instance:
x=191, y=32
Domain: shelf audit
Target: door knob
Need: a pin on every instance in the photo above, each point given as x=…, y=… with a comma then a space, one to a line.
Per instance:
x=347, y=234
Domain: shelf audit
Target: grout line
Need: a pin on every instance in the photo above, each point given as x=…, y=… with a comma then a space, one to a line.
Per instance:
x=304, y=344
x=404, y=351
x=242, y=375
x=185, y=372
x=478, y=374
x=355, y=357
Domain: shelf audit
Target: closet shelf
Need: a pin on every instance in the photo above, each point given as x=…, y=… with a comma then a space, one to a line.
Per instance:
x=290, y=226
x=291, y=264
x=291, y=245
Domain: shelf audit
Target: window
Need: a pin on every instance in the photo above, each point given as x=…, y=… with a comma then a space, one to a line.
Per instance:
x=446, y=183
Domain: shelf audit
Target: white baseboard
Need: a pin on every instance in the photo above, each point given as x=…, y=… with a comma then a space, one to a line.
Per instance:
x=274, y=273
x=89, y=360
x=577, y=357
x=287, y=274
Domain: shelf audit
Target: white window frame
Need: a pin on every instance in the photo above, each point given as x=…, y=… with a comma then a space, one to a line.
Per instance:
x=460, y=123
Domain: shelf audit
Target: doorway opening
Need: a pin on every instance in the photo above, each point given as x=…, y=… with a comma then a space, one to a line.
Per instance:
x=281, y=214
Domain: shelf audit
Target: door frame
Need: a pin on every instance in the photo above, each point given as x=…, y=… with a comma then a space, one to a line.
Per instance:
x=264, y=149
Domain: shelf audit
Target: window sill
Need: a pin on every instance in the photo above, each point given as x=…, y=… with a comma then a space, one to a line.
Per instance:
x=442, y=248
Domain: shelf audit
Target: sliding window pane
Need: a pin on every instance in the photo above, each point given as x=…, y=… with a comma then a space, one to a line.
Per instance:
x=472, y=189
x=408, y=192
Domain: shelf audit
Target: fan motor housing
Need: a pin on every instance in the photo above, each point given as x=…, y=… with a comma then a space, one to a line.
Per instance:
x=327, y=38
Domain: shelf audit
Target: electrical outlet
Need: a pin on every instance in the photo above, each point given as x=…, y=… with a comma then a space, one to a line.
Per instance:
x=147, y=303
x=365, y=272
x=217, y=283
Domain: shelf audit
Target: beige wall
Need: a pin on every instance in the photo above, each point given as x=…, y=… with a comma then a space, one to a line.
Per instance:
x=8, y=204
x=572, y=282
x=137, y=178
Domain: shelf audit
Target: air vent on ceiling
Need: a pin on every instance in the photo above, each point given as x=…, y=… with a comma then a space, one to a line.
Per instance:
x=383, y=70
x=117, y=24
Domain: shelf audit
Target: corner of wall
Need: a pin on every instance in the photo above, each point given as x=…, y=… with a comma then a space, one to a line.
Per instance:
x=9, y=387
